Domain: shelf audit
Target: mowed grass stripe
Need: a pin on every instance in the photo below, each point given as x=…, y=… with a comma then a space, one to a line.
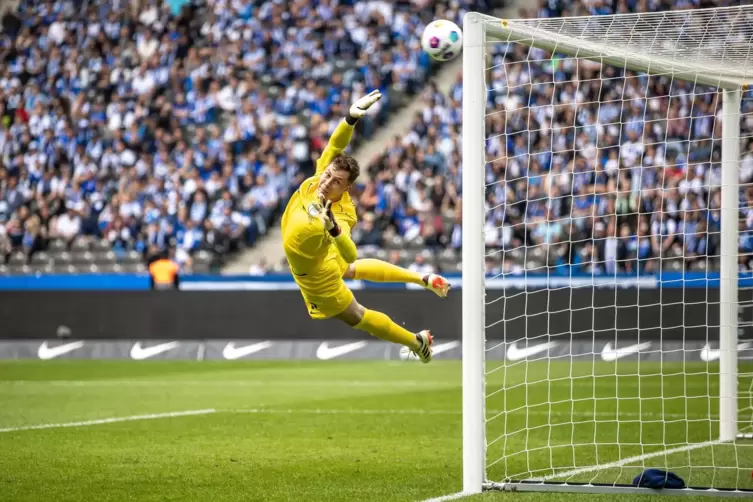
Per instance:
x=361, y=442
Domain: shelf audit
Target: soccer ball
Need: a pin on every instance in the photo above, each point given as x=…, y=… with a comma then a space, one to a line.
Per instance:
x=442, y=40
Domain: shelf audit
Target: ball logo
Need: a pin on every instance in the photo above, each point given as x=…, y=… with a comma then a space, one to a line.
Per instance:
x=314, y=209
x=434, y=42
x=454, y=36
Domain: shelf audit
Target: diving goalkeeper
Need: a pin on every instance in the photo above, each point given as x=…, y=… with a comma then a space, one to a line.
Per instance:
x=316, y=230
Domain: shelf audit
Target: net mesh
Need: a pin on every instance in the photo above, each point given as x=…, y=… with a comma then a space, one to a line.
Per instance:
x=715, y=40
x=603, y=253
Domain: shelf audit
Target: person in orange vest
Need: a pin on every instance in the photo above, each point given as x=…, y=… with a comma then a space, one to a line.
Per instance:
x=164, y=272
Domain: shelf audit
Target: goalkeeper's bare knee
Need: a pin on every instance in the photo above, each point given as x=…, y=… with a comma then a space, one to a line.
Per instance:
x=350, y=272
x=353, y=314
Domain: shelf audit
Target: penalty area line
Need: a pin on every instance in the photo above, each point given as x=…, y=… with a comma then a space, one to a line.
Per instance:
x=86, y=423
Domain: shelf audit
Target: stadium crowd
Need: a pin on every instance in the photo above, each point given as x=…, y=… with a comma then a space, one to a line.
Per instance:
x=601, y=173
x=182, y=125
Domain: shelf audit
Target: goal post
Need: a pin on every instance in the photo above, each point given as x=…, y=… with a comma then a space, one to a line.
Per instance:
x=562, y=389
x=728, y=264
x=474, y=106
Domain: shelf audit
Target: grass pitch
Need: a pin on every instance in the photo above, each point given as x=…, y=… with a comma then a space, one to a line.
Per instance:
x=339, y=431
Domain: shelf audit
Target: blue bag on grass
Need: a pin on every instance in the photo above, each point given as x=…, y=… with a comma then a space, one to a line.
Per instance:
x=656, y=478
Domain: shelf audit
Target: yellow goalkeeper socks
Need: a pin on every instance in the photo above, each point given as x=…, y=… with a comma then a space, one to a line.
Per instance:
x=381, y=326
x=370, y=269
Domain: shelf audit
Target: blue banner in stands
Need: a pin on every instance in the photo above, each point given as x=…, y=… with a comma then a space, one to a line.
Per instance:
x=129, y=282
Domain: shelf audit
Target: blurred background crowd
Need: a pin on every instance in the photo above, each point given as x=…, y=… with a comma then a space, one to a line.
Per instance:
x=600, y=172
x=131, y=130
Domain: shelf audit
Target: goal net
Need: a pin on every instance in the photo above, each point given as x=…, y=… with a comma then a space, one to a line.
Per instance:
x=607, y=169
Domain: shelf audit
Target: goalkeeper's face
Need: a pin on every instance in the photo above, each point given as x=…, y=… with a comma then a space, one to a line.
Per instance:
x=333, y=183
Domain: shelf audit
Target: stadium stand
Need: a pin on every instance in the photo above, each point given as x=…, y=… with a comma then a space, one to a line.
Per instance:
x=647, y=191
x=133, y=127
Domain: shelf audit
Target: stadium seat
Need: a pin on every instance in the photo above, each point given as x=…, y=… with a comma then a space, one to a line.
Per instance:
x=395, y=242
x=19, y=269
x=108, y=256
x=56, y=245
x=132, y=257
x=61, y=257
x=447, y=264
x=80, y=244
x=534, y=265
x=80, y=257
x=201, y=267
x=367, y=252
x=17, y=258
x=536, y=253
x=40, y=258
x=102, y=245
x=134, y=267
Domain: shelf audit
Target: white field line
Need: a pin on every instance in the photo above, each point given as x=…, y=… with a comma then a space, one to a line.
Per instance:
x=452, y=496
x=100, y=421
x=630, y=460
x=409, y=411
x=240, y=383
x=286, y=383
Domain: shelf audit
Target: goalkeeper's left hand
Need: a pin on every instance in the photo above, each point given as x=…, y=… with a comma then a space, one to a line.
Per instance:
x=359, y=108
x=328, y=219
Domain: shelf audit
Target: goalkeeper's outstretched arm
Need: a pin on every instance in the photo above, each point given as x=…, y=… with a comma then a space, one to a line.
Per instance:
x=340, y=139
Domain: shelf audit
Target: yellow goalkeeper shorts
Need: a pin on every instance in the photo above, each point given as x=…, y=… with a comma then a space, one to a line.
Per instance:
x=324, y=290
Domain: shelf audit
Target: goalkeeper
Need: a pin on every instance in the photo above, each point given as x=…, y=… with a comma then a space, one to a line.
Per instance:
x=316, y=229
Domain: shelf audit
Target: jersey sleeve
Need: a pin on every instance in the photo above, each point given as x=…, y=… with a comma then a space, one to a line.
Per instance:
x=345, y=245
x=338, y=142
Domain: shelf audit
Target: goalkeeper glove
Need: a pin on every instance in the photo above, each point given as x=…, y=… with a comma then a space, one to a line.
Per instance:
x=328, y=219
x=359, y=108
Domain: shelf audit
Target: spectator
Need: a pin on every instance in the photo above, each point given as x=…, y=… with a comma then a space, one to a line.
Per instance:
x=421, y=266
x=67, y=226
x=260, y=268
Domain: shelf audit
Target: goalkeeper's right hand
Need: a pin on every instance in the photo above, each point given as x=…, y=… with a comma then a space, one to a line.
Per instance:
x=328, y=219
x=359, y=108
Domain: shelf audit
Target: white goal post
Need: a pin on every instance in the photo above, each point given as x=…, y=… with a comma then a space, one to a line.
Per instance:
x=558, y=416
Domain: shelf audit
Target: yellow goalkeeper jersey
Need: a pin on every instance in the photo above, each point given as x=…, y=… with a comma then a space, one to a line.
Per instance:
x=311, y=252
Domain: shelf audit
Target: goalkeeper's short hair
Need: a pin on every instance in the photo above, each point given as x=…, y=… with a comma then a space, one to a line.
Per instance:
x=347, y=163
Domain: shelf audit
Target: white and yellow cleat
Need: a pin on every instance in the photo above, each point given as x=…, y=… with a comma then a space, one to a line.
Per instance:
x=424, y=352
x=438, y=284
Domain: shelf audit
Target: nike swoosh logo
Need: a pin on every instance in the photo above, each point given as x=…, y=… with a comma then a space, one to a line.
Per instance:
x=324, y=351
x=609, y=354
x=407, y=354
x=138, y=352
x=47, y=352
x=513, y=353
x=444, y=347
x=232, y=352
x=708, y=354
